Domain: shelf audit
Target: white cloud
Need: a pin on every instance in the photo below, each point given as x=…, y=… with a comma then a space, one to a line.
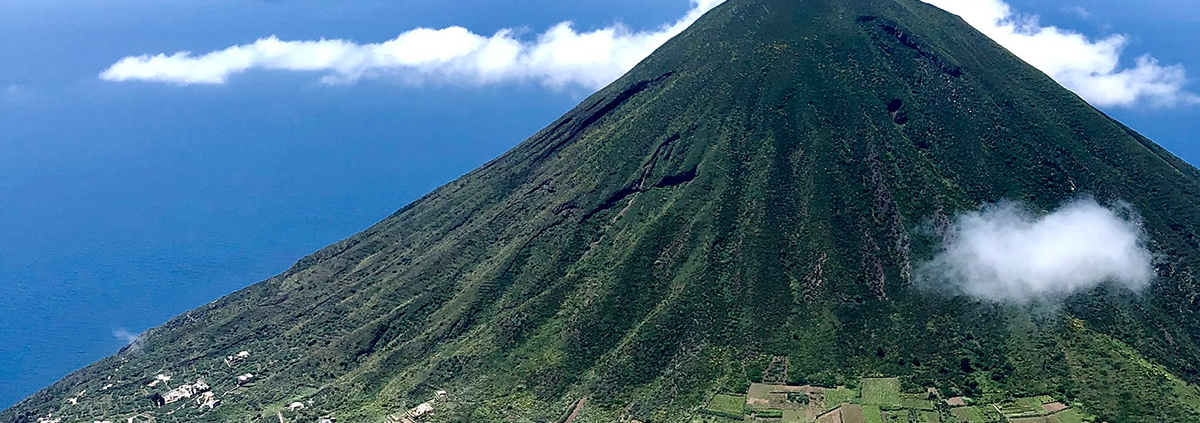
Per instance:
x=125, y=335
x=559, y=57
x=1090, y=67
x=562, y=56
x=1005, y=253
x=133, y=341
x=1080, y=12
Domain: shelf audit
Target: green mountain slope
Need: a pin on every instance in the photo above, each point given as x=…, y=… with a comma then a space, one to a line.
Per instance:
x=747, y=196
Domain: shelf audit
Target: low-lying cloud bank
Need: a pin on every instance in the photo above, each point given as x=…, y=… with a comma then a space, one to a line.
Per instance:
x=559, y=57
x=1089, y=67
x=1004, y=253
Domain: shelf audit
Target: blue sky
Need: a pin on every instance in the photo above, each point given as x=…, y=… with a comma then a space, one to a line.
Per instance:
x=126, y=201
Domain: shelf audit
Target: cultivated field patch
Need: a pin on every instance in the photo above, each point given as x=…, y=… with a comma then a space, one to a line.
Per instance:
x=872, y=414
x=917, y=402
x=839, y=395
x=879, y=400
x=1069, y=415
x=930, y=417
x=834, y=416
x=852, y=413
x=807, y=401
x=895, y=416
x=968, y=415
x=884, y=392
x=733, y=405
x=795, y=416
x=1054, y=407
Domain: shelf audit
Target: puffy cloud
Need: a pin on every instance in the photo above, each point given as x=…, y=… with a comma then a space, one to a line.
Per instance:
x=1089, y=67
x=1005, y=253
x=133, y=341
x=125, y=335
x=559, y=57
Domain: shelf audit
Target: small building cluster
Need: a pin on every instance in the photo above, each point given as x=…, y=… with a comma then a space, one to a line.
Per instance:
x=241, y=355
x=75, y=399
x=163, y=379
x=413, y=414
x=207, y=399
x=141, y=418
x=182, y=392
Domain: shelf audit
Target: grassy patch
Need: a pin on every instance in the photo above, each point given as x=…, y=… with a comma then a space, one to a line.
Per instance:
x=769, y=414
x=916, y=401
x=759, y=391
x=884, y=392
x=1067, y=416
x=930, y=417
x=795, y=416
x=836, y=396
x=872, y=414
x=895, y=416
x=967, y=415
x=733, y=405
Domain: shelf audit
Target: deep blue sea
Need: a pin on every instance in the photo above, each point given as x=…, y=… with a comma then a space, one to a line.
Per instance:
x=112, y=224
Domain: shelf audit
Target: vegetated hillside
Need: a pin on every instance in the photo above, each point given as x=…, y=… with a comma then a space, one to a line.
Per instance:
x=745, y=205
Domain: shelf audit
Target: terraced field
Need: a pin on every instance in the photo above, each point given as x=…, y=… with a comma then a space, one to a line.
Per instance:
x=878, y=400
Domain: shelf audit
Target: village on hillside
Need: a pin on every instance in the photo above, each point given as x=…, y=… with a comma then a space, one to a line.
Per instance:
x=167, y=399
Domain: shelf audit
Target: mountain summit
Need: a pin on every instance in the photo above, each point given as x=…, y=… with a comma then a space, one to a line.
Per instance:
x=747, y=205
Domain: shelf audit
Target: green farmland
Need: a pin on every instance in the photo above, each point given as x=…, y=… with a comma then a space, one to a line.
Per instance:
x=877, y=400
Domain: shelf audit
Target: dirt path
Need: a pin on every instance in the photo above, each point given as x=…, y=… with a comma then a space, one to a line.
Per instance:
x=575, y=413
